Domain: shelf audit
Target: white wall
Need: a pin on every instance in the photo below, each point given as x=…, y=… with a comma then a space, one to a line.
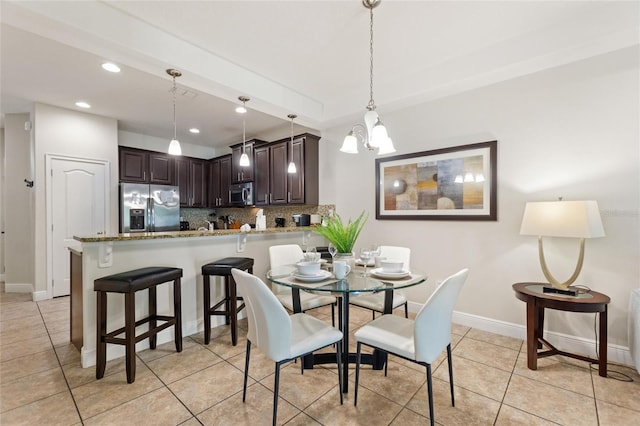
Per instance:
x=18, y=205
x=77, y=134
x=571, y=132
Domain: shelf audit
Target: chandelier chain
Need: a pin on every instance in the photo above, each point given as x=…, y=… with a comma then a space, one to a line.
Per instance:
x=372, y=105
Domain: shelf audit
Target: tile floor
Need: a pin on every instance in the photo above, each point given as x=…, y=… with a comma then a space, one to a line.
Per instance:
x=42, y=383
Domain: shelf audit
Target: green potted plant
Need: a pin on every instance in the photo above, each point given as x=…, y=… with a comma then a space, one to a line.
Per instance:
x=342, y=236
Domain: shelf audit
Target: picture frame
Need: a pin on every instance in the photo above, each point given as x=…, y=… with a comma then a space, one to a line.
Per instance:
x=455, y=183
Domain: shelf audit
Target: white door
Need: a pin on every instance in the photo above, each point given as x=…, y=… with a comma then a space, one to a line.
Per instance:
x=78, y=206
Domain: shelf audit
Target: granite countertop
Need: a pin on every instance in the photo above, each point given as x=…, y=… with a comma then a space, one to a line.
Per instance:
x=185, y=234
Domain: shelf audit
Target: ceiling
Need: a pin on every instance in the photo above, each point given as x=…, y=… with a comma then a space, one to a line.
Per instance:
x=305, y=57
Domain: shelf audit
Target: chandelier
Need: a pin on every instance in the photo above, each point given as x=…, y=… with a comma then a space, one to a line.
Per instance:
x=373, y=134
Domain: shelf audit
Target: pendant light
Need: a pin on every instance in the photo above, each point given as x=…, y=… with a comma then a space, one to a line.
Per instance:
x=292, y=166
x=244, y=158
x=373, y=133
x=174, y=145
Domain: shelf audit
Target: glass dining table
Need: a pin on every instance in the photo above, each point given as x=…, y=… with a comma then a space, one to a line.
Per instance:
x=354, y=284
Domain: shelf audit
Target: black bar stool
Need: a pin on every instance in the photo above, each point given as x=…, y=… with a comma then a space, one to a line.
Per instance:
x=129, y=283
x=223, y=268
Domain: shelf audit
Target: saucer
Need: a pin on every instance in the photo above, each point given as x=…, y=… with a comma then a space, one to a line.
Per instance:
x=378, y=272
x=322, y=275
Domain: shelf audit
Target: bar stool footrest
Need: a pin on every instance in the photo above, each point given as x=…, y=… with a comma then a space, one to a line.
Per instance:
x=110, y=337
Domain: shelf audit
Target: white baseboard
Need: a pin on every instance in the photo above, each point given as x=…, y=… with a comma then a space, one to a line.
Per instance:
x=564, y=342
x=18, y=288
x=40, y=295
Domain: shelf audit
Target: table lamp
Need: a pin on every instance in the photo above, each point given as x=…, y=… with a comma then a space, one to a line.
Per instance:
x=570, y=219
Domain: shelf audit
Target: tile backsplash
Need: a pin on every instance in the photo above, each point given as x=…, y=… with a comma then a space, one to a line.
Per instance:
x=197, y=217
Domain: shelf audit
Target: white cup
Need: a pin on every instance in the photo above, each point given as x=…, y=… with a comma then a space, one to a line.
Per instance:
x=341, y=269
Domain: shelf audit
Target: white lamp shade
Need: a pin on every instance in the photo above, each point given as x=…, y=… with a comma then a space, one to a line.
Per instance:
x=350, y=144
x=174, y=147
x=386, y=147
x=576, y=219
x=292, y=168
x=379, y=135
x=244, y=160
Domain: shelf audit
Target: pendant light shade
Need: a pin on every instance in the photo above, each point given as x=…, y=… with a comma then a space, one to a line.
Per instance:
x=373, y=133
x=244, y=158
x=174, y=145
x=292, y=165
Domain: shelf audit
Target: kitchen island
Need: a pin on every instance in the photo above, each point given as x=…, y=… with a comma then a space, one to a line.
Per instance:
x=102, y=255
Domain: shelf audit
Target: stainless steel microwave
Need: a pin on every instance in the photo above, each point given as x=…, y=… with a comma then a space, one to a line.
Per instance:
x=241, y=194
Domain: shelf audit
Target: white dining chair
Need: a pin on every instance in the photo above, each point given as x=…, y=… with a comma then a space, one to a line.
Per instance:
x=279, y=336
x=375, y=301
x=288, y=255
x=420, y=340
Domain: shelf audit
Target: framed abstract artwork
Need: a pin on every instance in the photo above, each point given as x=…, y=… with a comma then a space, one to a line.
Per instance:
x=457, y=183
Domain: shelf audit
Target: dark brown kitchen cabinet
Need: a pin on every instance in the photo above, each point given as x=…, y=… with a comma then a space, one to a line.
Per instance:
x=278, y=191
x=219, y=181
x=191, y=179
x=244, y=174
x=161, y=168
x=241, y=174
x=274, y=185
x=139, y=165
x=133, y=165
x=262, y=178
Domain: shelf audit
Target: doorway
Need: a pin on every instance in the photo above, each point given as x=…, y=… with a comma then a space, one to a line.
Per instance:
x=77, y=191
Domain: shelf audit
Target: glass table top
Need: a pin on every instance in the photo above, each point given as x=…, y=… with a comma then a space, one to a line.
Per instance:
x=355, y=282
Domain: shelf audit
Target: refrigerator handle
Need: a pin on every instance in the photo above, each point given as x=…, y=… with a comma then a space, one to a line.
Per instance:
x=152, y=215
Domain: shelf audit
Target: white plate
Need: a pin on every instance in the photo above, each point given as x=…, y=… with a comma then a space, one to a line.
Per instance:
x=323, y=275
x=360, y=262
x=378, y=272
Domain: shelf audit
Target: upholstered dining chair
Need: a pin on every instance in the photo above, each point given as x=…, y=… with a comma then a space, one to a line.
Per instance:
x=279, y=336
x=375, y=301
x=420, y=340
x=289, y=254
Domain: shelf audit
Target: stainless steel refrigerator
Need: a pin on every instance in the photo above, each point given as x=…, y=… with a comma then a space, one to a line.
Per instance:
x=149, y=208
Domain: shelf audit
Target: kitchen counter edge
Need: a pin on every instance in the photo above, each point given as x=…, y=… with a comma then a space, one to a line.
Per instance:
x=133, y=236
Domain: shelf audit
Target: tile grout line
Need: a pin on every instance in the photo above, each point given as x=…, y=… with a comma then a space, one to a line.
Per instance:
x=166, y=386
x=75, y=404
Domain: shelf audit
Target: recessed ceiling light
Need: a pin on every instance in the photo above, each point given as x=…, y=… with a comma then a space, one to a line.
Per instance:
x=111, y=67
x=82, y=104
x=194, y=130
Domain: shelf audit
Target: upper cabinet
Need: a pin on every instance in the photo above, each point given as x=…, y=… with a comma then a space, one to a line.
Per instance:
x=138, y=165
x=219, y=181
x=191, y=179
x=274, y=185
x=243, y=174
x=262, y=176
